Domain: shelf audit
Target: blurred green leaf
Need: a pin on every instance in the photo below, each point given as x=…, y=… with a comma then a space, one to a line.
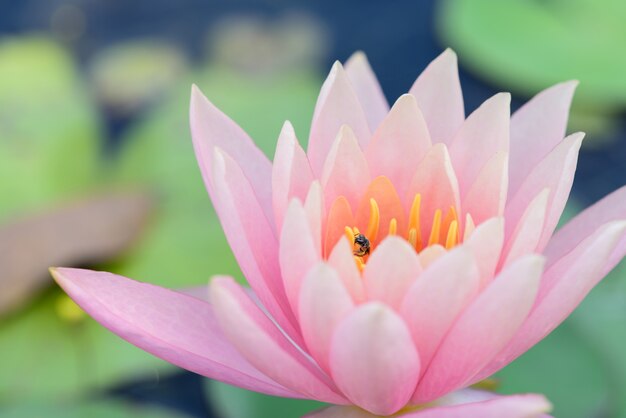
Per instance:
x=49, y=129
x=529, y=45
x=92, y=409
x=232, y=402
x=186, y=245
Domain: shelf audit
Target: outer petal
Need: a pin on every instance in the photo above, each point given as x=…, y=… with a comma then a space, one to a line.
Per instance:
x=487, y=195
x=173, y=326
x=314, y=208
x=483, y=330
x=528, y=231
x=345, y=171
x=399, y=144
x=337, y=105
x=610, y=208
x=373, y=360
x=243, y=222
x=556, y=172
x=390, y=271
x=291, y=173
x=263, y=345
x=298, y=252
x=563, y=287
x=486, y=242
x=536, y=128
x=514, y=406
x=436, y=181
x=324, y=302
x=483, y=134
x=211, y=128
x=342, y=260
x=367, y=89
x=439, y=96
x=437, y=298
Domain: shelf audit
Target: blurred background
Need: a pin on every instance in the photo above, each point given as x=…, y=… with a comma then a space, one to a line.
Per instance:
x=97, y=169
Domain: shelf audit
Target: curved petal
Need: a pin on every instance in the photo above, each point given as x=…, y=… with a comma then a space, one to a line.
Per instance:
x=264, y=346
x=483, y=330
x=374, y=374
x=211, y=128
x=243, y=222
x=339, y=216
x=173, y=326
x=486, y=242
x=337, y=105
x=342, y=260
x=436, y=181
x=314, y=208
x=367, y=89
x=298, y=253
x=555, y=172
x=390, y=271
x=528, y=231
x=513, y=406
x=610, y=208
x=291, y=173
x=345, y=171
x=483, y=134
x=324, y=302
x=563, y=287
x=399, y=144
x=536, y=128
x=439, y=96
x=435, y=300
x=487, y=195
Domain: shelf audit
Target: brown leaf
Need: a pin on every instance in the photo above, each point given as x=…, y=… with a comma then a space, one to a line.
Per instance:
x=80, y=233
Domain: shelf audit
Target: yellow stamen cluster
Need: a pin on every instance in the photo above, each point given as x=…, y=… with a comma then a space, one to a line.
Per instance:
x=444, y=230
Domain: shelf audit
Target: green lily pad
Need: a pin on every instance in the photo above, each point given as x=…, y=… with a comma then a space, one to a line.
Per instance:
x=49, y=129
x=529, y=45
x=93, y=409
x=232, y=402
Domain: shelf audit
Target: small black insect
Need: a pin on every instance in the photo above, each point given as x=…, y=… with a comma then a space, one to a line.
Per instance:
x=361, y=245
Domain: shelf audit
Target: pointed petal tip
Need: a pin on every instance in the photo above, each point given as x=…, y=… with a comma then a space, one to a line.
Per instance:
x=356, y=57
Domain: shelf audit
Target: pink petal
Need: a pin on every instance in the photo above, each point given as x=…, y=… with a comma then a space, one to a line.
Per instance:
x=487, y=195
x=564, y=285
x=536, y=128
x=483, y=329
x=610, y=208
x=298, y=253
x=244, y=222
x=345, y=171
x=436, y=181
x=367, y=89
x=342, y=260
x=324, y=302
x=439, y=96
x=486, y=242
x=399, y=144
x=314, y=208
x=483, y=134
x=339, y=216
x=337, y=105
x=436, y=299
x=556, y=172
x=525, y=238
x=211, y=128
x=373, y=359
x=264, y=346
x=173, y=326
x=514, y=406
x=390, y=270
x=291, y=173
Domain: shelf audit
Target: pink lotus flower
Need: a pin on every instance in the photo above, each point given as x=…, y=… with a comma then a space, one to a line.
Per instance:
x=407, y=254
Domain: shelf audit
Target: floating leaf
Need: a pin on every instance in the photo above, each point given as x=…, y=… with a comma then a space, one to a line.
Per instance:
x=93, y=409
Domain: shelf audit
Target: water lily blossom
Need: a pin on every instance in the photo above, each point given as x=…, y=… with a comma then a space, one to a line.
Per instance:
x=408, y=253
